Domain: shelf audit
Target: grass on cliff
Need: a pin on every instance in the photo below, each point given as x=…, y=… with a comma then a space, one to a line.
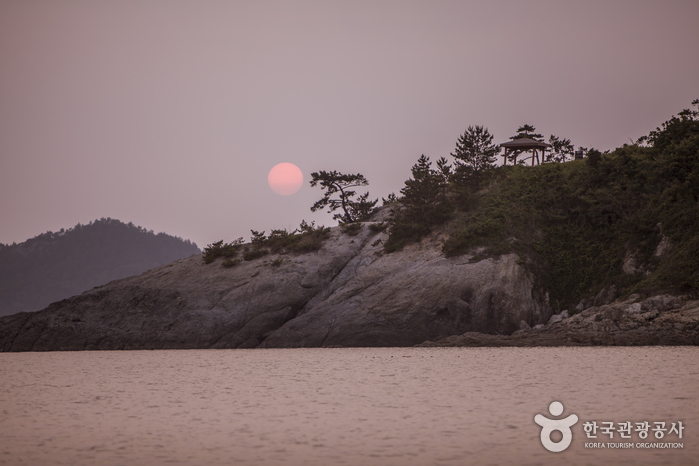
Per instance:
x=307, y=238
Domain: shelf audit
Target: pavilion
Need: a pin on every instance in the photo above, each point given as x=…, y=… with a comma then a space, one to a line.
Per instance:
x=524, y=145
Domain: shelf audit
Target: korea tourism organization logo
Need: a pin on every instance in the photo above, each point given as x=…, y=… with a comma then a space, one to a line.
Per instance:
x=605, y=430
x=548, y=426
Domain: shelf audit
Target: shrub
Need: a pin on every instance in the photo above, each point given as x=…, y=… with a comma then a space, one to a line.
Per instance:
x=378, y=227
x=221, y=249
x=307, y=238
x=351, y=229
x=252, y=254
x=230, y=262
x=258, y=239
x=391, y=199
x=277, y=262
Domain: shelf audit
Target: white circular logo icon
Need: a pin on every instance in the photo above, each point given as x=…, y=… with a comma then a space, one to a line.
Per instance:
x=561, y=425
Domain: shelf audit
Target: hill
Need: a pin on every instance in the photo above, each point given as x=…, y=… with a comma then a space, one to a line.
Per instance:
x=600, y=251
x=617, y=223
x=54, y=266
x=341, y=290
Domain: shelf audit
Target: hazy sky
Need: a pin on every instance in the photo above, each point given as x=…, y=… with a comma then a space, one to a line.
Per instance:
x=170, y=114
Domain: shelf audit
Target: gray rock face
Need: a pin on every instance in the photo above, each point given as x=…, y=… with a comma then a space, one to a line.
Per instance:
x=631, y=264
x=605, y=296
x=664, y=247
x=659, y=320
x=346, y=294
x=558, y=317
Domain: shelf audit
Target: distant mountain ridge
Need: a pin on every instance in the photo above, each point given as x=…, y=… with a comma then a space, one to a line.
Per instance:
x=53, y=266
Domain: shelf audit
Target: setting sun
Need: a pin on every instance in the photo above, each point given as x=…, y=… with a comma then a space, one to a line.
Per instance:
x=285, y=179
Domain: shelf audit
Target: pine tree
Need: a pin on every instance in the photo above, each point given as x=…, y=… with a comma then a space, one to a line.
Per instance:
x=421, y=192
x=424, y=204
x=475, y=150
x=335, y=183
x=561, y=149
x=527, y=131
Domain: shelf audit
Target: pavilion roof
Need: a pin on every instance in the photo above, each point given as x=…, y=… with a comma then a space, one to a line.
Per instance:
x=525, y=144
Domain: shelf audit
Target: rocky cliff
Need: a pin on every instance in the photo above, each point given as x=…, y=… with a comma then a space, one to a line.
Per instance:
x=658, y=320
x=349, y=293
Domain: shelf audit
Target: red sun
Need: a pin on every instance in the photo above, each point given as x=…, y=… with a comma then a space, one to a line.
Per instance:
x=285, y=179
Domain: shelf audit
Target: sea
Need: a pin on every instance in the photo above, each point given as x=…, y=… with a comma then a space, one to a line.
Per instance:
x=351, y=406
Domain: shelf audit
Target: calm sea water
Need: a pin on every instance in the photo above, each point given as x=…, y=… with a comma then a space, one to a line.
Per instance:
x=366, y=406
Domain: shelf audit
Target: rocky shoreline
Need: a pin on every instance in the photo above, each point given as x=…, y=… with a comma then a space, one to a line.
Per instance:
x=658, y=320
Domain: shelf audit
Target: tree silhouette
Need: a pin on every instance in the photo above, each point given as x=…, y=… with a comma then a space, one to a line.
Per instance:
x=338, y=184
x=424, y=204
x=475, y=150
x=527, y=131
x=422, y=192
x=561, y=149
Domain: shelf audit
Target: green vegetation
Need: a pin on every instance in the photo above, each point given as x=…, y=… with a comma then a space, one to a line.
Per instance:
x=218, y=249
x=561, y=149
x=277, y=262
x=378, y=227
x=475, y=151
x=252, y=254
x=351, y=229
x=230, y=262
x=575, y=224
x=424, y=204
x=572, y=224
x=307, y=238
x=340, y=185
x=527, y=131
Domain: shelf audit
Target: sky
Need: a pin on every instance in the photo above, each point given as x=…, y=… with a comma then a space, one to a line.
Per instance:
x=170, y=114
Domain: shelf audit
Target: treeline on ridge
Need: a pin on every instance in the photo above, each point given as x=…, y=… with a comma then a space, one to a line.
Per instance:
x=57, y=265
x=628, y=218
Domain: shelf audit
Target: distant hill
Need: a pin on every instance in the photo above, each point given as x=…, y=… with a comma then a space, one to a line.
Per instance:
x=54, y=266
